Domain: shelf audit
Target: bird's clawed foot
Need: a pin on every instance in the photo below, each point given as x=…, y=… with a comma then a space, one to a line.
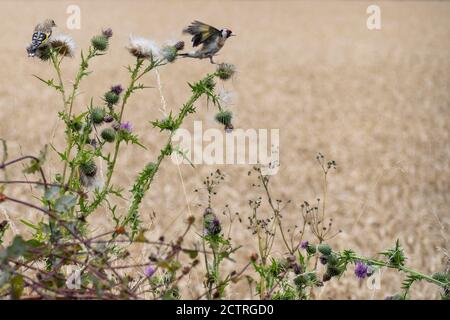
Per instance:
x=211, y=59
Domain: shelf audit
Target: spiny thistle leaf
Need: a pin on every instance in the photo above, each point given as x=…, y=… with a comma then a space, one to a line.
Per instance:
x=37, y=163
x=396, y=256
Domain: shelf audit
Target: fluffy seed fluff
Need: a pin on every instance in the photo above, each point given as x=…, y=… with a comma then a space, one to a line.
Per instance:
x=63, y=44
x=225, y=70
x=90, y=176
x=143, y=48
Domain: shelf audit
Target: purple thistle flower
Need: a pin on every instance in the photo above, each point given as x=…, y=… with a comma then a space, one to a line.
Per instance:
x=304, y=244
x=149, y=271
x=213, y=228
x=361, y=270
x=107, y=33
x=126, y=126
x=117, y=89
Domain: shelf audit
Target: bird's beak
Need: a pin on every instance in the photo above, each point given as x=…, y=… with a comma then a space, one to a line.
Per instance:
x=232, y=35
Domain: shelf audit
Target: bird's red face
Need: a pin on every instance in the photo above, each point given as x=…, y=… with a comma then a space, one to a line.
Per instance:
x=226, y=33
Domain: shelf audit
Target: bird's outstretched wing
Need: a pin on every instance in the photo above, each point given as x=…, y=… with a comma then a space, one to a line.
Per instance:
x=201, y=32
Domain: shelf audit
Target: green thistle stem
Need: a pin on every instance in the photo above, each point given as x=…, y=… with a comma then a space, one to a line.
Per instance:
x=81, y=73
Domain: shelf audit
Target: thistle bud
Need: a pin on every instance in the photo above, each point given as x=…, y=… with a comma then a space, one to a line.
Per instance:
x=224, y=117
x=310, y=249
x=88, y=168
x=111, y=98
x=97, y=115
x=332, y=271
x=324, y=248
x=169, y=53
x=225, y=71
x=100, y=43
x=108, y=134
x=179, y=45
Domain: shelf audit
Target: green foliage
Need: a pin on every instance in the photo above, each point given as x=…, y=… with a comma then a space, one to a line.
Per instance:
x=63, y=236
x=395, y=256
x=37, y=162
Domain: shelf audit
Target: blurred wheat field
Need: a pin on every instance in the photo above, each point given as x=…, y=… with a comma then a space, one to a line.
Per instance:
x=377, y=102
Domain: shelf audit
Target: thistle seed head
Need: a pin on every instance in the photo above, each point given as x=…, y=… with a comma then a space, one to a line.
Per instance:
x=225, y=70
x=142, y=48
x=63, y=45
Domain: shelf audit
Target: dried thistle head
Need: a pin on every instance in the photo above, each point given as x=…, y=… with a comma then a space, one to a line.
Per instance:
x=63, y=45
x=225, y=70
x=142, y=48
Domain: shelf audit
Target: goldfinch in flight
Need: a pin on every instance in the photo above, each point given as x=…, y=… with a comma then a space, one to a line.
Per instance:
x=212, y=40
x=41, y=34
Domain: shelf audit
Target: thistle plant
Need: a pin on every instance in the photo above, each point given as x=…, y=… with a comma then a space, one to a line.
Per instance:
x=297, y=273
x=96, y=134
x=62, y=236
x=217, y=240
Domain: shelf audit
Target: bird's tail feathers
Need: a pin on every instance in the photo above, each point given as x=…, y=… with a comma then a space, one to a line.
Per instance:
x=31, y=49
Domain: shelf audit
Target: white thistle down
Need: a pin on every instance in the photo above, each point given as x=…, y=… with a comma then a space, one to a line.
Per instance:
x=226, y=97
x=143, y=48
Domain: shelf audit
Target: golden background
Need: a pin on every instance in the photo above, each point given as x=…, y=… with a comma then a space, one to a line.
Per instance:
x=377, y=102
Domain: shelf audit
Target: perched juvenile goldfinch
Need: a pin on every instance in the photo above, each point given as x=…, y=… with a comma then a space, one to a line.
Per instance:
x=211, y=38
x=41, y=34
